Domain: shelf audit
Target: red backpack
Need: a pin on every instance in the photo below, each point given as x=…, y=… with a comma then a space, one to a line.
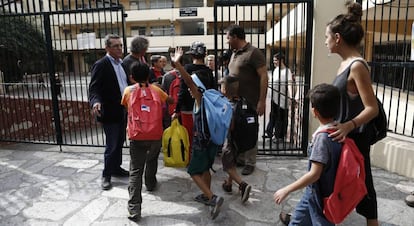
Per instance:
x=349, y=186
x=173, y=92
x=144, y=114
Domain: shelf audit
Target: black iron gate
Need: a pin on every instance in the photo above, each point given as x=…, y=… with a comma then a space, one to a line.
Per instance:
x=46, y=54
x=276, y=26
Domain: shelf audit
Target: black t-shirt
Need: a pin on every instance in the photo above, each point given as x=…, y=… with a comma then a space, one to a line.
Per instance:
x=185, y=101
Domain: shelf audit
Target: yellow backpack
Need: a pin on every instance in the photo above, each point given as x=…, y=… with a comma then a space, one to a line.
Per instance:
x=175, y=145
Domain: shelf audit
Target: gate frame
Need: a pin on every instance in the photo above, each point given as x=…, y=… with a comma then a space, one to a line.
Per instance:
x=46, y=25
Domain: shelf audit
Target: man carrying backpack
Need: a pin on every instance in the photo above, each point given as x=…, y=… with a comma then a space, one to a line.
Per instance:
x=144, y=104
x=323, y=162
x=248, y=63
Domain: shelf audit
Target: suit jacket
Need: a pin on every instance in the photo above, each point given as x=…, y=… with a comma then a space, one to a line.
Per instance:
x=104, y=89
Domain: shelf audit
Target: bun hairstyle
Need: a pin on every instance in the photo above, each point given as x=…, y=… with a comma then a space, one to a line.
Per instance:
x=349, y=25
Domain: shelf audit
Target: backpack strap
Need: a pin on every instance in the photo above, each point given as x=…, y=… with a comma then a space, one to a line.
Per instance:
x=174, y=72
x=198, y=83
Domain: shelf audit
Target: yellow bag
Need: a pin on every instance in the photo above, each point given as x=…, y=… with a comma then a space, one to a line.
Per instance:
x=175, y=145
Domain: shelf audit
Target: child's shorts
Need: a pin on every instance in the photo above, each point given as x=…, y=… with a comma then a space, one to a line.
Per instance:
x=202, y=160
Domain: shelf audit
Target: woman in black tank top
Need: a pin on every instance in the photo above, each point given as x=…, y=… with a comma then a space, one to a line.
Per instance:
x=358, y=103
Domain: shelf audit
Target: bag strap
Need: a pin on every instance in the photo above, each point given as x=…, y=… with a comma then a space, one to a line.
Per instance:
x=144, y=88
x=182, y=150
x=198, y=82
x=169, y=147
x=174, y=72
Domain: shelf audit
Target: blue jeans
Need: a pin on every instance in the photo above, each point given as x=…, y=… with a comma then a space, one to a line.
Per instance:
x=309, y=211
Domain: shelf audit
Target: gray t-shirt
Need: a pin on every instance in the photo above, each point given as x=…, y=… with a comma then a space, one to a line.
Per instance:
x=320, y=147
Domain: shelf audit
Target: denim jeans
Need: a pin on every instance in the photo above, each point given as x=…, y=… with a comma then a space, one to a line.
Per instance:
x=309, y=211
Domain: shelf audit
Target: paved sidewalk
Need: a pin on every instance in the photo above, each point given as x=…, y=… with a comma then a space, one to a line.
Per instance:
x=42, y=186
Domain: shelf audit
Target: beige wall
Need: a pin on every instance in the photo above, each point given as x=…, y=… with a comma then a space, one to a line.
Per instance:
x=324, y=65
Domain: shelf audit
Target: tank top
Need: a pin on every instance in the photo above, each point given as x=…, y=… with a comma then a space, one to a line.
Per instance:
x=349, y=106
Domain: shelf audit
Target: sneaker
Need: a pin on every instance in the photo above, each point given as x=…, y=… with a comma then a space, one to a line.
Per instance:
x=201, y=198
x=106, y=183
x=227, y=187
x=120, y=173
x=134, y=217
x=278, y=140
x=215, y=202
x=267, y=135
x=245, y=191
x=247, y=170
x=152, y=186
x=285, y=218
x=409, y=200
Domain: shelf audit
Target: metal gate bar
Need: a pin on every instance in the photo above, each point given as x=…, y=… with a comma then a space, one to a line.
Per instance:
x=261, y=34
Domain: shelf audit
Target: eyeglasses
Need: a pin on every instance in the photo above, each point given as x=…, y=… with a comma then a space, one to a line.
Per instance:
x=117, y=46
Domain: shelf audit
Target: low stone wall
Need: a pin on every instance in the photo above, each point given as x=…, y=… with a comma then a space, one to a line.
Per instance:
x=32, y=119
x=394, y=155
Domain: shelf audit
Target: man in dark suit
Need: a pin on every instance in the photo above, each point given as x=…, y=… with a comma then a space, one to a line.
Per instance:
x=108, y=82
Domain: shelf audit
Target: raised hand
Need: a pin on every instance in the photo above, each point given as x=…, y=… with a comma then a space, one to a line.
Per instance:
x=176, y=56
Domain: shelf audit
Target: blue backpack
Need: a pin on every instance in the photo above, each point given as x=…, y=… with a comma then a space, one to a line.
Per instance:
x=216, y=112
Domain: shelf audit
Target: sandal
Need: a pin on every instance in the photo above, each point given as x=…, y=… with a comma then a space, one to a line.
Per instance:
x=227, y=187
x=285, y=218
x=201, y=198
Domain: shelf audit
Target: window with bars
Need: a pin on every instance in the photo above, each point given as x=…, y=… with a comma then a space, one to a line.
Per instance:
x=193, y=3
x=163, y=30
x=161, y=4
x=138, y=30
x=102, y=32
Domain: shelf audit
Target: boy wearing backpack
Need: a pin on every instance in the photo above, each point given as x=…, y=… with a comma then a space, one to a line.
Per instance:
x=323, y=162
x=143, y=102
x=230, y=152
x=203, y=149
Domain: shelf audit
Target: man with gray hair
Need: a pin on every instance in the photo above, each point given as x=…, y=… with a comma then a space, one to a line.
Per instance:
x=138, y=49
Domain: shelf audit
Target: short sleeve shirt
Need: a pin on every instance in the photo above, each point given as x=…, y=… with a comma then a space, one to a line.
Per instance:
x=320, y=150
x=127, y=94
x=279, y=85
x=244, y=64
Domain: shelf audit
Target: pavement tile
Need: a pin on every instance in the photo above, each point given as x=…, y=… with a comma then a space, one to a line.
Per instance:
x=42, y=186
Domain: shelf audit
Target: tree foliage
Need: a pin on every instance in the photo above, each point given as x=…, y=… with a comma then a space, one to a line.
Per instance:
x=21, y=40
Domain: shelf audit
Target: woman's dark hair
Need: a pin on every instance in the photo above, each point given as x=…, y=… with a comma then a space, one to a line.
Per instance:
x=349, y=25
x=140, y=71
x=279, y=56
x=325, y=99
x=154, y=59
